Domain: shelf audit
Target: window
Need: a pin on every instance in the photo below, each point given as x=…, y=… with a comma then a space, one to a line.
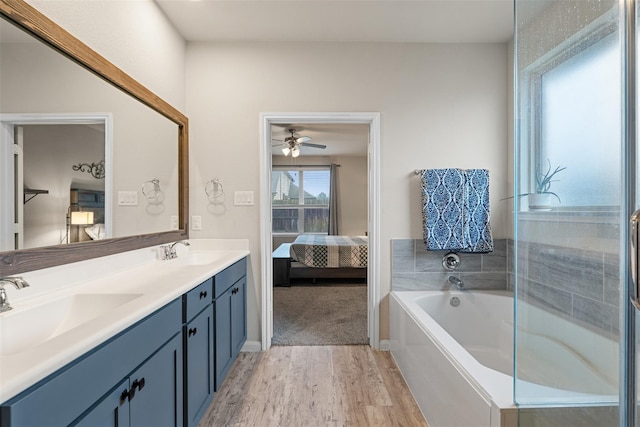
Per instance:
x=579, y=122
x=300, y=200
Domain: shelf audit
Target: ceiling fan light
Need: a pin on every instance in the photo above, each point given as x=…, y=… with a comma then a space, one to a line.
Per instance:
x=295, y=152
x=285, y=151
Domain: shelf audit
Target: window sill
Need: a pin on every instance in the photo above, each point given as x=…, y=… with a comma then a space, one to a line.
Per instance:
x=572, y=215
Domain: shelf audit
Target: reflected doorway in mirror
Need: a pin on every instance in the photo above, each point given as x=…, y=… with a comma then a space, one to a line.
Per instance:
x=39, y=150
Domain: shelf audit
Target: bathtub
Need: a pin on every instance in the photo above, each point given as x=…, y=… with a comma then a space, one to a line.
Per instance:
x=457, y=357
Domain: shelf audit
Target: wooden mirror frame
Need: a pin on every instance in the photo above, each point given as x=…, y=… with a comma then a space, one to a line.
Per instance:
x=35, y=23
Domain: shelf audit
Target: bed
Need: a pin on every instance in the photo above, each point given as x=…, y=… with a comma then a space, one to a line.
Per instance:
x=313, y=256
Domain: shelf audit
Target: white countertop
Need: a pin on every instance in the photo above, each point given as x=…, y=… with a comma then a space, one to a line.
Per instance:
x=137, y=272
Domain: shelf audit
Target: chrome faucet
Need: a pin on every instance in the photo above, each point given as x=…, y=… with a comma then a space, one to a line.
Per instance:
x=16, y=281
x=456, y=281
x=169, y=251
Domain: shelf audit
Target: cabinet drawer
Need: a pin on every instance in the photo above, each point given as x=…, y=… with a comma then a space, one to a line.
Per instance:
x=197, y=299
x=229, y=276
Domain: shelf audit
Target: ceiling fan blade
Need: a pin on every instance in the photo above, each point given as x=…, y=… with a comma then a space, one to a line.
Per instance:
x=302, y=139
x=314, y=145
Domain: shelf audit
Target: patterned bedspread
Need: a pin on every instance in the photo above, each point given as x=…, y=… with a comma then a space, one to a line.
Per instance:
x=316, y=250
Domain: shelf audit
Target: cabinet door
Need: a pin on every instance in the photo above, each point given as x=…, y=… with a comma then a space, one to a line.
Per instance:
x=238, y=316
x=111, y=411
x=198, y=335
x=223, y=351
x=158, y=388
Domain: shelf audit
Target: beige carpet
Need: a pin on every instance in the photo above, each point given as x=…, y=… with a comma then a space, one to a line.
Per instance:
x=320, y=315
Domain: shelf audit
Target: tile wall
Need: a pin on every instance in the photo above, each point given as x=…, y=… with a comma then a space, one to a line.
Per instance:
x=579, y=284
x=415, y=268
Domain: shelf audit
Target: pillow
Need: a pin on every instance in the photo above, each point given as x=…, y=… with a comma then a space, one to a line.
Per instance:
x=96, y=231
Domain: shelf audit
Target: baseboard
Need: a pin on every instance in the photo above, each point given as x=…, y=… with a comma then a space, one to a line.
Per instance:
x=385, y=345
x=251, y=346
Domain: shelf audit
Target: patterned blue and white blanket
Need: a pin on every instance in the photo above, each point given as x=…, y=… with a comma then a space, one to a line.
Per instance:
x=317, y=250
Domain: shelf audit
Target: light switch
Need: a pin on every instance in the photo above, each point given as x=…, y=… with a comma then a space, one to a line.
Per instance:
x=127, y=198
x=243, y=198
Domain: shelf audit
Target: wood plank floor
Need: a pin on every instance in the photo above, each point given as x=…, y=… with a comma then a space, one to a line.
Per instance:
x=314, y=386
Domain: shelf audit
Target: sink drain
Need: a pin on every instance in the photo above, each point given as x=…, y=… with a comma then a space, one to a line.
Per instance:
x=455, y=301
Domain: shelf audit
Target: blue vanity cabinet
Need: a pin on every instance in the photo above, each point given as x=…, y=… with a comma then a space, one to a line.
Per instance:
x=150, y=396
x=161, y=371
x=87, y=388
x=230, y=317
x=198, y=349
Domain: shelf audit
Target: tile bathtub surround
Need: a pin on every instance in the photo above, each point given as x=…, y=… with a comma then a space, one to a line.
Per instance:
x=577, y=283
x=413, y=267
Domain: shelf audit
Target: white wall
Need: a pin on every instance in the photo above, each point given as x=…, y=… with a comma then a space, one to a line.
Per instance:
x=441, y=105
x=133, y=34
x=353, y=179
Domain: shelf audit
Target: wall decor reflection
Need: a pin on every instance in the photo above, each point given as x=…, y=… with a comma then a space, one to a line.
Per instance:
x=95, y=169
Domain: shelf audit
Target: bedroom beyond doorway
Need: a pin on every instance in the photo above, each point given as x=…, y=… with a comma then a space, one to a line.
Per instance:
x=319, y=211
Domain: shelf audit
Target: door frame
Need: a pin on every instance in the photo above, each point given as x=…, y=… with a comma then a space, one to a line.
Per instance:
x=373, y=264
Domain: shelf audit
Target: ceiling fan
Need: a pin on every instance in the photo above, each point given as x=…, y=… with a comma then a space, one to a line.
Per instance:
x=292, y=144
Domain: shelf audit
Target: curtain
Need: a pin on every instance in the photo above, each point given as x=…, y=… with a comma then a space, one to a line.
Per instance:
x=333, y=199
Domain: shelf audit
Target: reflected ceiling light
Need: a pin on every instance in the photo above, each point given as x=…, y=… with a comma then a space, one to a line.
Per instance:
x=286, y=150
x=295, y=152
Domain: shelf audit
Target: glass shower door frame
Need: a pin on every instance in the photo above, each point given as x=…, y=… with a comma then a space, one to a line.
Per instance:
x=626, y=340
x=628, y=362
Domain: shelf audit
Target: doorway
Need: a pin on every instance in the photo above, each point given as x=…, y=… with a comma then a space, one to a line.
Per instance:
x=373, y=122
x=55, y=204
x=319, y=222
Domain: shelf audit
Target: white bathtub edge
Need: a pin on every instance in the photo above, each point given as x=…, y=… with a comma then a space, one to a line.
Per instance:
x=444, y=396
x=475, y=373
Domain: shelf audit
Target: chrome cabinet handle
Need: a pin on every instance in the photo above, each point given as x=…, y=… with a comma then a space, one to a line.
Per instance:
x=634, y=241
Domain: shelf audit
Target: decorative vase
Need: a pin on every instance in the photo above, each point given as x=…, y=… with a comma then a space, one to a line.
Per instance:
x=539, y=202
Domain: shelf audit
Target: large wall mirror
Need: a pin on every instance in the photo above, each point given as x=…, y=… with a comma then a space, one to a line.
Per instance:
x=91, y=162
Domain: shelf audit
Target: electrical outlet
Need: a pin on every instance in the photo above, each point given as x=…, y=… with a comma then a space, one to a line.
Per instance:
x=196, y=222
x=243, y=198
x=174, y=223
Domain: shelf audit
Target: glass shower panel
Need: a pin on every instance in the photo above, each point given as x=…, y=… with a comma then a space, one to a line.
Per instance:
x=567, y=248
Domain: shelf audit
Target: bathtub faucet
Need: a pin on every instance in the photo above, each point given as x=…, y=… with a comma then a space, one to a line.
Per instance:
x=456, y=281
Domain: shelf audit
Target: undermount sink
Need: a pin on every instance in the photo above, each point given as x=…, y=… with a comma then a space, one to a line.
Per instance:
x=202, y=257
x=23, y=329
